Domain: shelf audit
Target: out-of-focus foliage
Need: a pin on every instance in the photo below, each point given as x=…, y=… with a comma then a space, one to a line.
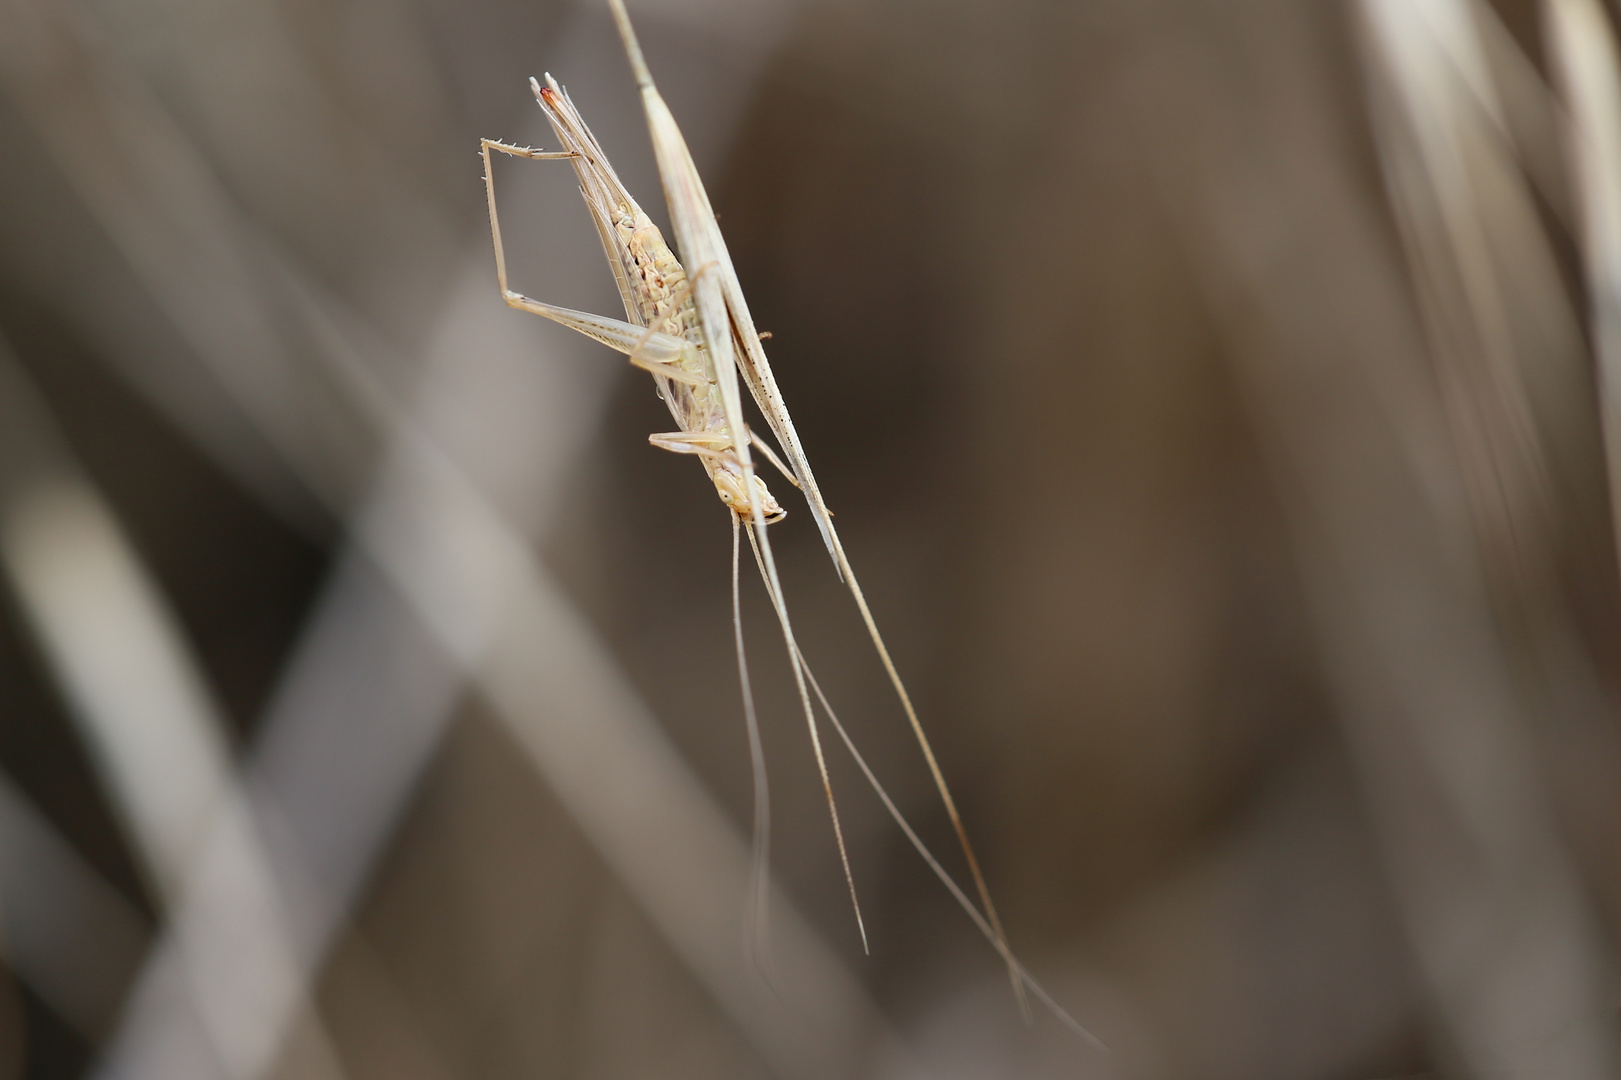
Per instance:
x=1211, y=396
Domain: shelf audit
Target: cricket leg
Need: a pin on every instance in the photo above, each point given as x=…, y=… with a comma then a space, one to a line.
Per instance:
x=660, y=353
x=651, y=350
x=710, y=444
x=715, y=444
x=716, y=449
x=771, y=456
x=485, y=146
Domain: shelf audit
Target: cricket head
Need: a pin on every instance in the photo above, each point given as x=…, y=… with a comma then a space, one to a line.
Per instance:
x=729, y=485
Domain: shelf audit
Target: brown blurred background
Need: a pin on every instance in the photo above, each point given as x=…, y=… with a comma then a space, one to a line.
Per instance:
x=1212, y=399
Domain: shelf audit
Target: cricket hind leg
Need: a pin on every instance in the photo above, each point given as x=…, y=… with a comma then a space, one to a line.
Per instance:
x=484, y=148
x=662, y=354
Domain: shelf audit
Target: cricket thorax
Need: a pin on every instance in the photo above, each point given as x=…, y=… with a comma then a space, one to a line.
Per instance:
x=665, y=298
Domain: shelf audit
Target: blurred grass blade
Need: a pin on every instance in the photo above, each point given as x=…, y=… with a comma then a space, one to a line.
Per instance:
x=137, y=693
x=116, y=649
x=63, y=929
x=1583, y=51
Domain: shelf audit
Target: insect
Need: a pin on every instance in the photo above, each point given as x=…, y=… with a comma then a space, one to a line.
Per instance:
x=689, y=326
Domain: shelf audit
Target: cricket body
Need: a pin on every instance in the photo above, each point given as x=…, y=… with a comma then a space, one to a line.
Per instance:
x=691, y=329
x=658, y=298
